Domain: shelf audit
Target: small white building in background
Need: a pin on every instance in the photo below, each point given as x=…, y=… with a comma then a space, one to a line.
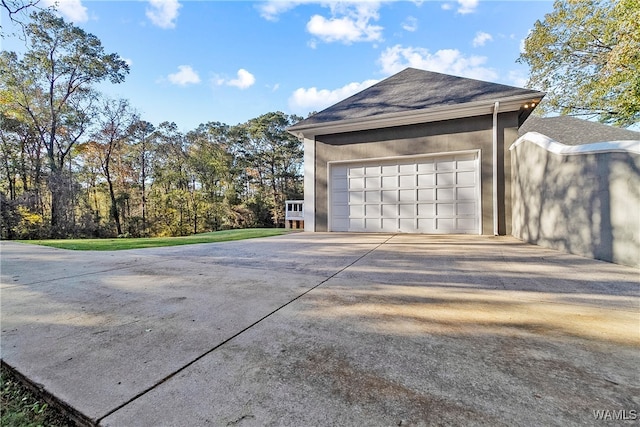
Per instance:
x=294, y=214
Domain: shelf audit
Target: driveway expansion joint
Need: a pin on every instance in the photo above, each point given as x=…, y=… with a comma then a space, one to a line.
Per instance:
x=237, y=334
x=89, y=273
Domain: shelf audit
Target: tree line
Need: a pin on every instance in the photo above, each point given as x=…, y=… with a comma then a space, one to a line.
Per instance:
x=75, y=163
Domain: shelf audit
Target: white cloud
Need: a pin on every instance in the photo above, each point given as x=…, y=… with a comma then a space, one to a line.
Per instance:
x=72, y=10
x=410, y=24
x=127, y=61
x=448, y=61
x=349, y=22
x=270, y=10
x=243, y=80
x=481, y=38
x=343, y=29
x=163, y=13
x=467, y=6
x=464, y=6
x=185, y=76
x=304, y=100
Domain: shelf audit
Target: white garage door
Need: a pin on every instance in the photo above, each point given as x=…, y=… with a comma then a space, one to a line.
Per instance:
x=425, y=195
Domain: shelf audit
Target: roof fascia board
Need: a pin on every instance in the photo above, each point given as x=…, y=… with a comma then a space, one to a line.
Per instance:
x=404, y=118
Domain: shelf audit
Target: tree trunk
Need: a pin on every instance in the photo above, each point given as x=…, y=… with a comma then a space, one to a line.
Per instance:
x=144, y=196
x=276, y=202
x=56, y=187
x=11, y=178
x=112, y=195
x=114, y=207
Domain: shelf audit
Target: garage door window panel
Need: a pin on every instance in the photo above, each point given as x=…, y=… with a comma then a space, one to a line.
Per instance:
x=445, y=179
x=389, y=181
x=390, y=196
x=468, y=224
x=389, y=225
x=426, y=195
x=407, y=195
x=466, y=209
x=372, y=196
x=408, y=181
x=445, y=164
x=445, y=194
x=390, y=170
x=426, y=225
x=356, y=211
x=445, y=225
x=408, y=211
x=466, y=178
x=465, y=193
x=426, y=210
x=444, y=209
x=372, y=211
x=356, y=197
x=426, y=180
x=356, y=183
x=356, y=224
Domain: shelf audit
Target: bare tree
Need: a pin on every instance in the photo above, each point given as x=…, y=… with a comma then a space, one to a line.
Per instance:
x=114, y=128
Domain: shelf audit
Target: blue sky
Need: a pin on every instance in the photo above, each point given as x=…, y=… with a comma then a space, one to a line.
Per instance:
x=229, y=61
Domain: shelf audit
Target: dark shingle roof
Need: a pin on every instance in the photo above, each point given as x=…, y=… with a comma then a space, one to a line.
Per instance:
x=573, y=131
x=413, y=89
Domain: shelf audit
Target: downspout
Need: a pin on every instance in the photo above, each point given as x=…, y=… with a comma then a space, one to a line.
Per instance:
x=309, y=183
x=496, y=107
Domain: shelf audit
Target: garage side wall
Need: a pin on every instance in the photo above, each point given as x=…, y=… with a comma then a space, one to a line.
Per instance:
x=425, y=139
x=586, y=204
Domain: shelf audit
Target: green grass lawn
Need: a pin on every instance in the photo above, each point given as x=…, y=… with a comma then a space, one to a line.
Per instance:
x=155, y=242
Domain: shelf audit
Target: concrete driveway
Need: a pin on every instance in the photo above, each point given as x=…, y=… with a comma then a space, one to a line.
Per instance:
x=326, y=329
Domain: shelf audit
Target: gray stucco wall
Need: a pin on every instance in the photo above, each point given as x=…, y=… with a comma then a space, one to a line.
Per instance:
x=586, y=204
x=429, y=138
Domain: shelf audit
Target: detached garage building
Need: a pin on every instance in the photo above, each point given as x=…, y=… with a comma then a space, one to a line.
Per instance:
x=419, y=152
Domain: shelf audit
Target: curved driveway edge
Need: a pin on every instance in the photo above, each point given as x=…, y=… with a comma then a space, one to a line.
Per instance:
x=326, y=329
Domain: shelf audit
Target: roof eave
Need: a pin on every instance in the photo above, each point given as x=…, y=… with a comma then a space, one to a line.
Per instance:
x=426, y=115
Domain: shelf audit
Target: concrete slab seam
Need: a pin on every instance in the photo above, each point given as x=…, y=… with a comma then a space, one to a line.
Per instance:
x=171, y=375
x=8, y=286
